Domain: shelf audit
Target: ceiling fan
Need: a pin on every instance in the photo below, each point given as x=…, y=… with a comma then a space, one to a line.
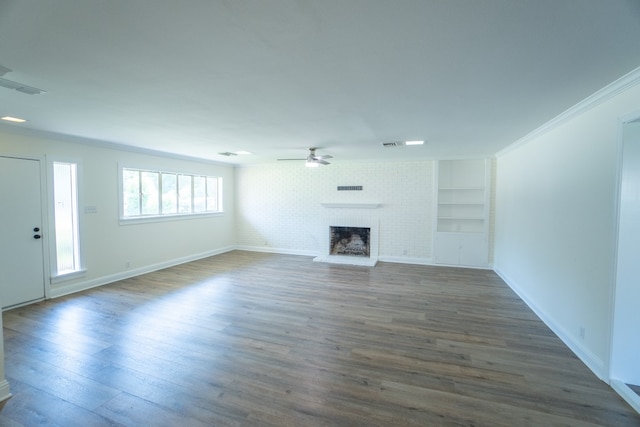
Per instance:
x=314, y=160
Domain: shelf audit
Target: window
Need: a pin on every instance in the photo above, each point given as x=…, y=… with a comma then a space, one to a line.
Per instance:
x=65, y=212
x=148, y=194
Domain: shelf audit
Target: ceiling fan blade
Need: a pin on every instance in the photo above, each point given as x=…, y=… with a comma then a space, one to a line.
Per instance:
x=326, y=156
x=322, y=162
x=289, y=159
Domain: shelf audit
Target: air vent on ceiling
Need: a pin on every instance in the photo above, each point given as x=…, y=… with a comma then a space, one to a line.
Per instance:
x=228, y=153
x=393, y=144
x=349, y=187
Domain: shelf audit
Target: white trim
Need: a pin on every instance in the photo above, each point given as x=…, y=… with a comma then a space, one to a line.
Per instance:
x=618, y=385
x=623, y=83
x=270, y=250
x=5, y=392
x=9, y=128
x=630, y=396
x=53, y=260
x=369, y=205
x=47, y=215
x=68, y=276
x=406, y=260
x=392, y=259
x=350, y=260
x=165, y=218
x=614, y=250
x=594, y=363
x=59, y=291
x=473, y=267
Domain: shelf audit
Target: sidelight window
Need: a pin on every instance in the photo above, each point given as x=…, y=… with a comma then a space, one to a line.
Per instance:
x=65, y=212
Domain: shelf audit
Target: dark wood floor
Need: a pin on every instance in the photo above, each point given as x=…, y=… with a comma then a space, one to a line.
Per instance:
x=260, y=339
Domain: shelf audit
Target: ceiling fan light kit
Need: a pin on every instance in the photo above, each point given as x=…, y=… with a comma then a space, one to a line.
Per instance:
x=13, y=119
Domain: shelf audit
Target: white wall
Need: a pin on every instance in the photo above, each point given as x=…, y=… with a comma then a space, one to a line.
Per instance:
x=107, y=245
x=279, y=205
x=555, y=224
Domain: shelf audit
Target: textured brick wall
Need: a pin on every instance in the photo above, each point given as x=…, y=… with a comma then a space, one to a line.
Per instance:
x=278, y=205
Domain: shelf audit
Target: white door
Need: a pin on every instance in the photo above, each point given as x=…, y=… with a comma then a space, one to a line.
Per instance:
x=21, y=228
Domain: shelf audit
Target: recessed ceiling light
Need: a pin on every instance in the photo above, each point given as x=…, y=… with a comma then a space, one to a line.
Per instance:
x=13, y=119
x=414, y=142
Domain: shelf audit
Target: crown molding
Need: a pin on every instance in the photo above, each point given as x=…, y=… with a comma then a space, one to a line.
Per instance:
x=625, y=82
x=43, y=134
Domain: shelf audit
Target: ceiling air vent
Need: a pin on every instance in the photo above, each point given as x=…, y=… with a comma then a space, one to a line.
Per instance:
x=228, y=154
x=393, y=144
x=349, y=187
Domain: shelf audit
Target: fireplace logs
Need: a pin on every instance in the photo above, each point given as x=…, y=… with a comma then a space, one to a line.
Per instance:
x=350, y=241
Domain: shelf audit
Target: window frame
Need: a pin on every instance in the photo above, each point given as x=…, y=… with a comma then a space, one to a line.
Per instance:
x=80, y=268
x=160, y=216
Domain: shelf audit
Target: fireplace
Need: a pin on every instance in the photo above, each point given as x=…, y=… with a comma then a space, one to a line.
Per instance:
x=350, y=241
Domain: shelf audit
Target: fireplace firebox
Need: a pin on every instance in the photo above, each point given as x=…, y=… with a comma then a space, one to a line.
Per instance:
x=350, y=241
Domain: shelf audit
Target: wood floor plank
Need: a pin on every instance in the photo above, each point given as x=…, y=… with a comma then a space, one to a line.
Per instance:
x=246, y=339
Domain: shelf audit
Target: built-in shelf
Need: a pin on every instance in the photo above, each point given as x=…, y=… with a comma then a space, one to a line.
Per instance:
x=461, y=213
x=370, y=205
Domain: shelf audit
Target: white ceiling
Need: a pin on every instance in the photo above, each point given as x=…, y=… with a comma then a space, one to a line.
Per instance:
x=275, y=77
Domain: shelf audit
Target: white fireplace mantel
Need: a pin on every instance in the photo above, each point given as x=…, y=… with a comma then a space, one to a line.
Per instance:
x=367, y=205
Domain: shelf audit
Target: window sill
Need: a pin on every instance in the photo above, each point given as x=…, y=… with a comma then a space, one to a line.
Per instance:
x=163, y=218
x=67, y=276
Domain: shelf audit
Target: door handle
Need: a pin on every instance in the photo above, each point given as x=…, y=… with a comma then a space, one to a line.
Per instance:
x=36, y=236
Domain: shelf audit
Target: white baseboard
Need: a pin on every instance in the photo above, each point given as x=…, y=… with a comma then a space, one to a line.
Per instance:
x=270, y=250
x=395, y=259
x=630, y=396
x=594, y=363
x=5, y=393
x=406, y=260
x=347, y=260
x=58, y=291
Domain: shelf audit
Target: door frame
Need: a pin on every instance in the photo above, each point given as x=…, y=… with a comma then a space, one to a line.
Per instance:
x=44, y=215
x=618, y=384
